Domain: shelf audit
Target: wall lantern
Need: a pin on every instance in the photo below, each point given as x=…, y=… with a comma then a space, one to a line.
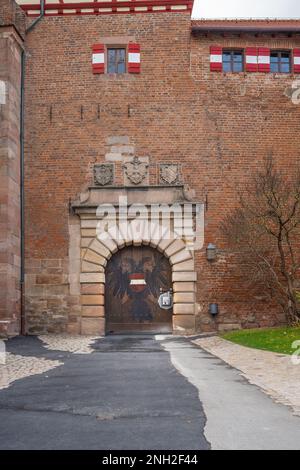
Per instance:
x=213, y=309
x=211, y=252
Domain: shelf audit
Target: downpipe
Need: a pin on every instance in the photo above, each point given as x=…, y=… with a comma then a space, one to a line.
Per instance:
x=22, y=199
x=36, y=21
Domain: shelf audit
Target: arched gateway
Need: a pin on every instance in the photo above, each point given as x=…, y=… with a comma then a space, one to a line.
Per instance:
x=121, y=274
x=135, y=278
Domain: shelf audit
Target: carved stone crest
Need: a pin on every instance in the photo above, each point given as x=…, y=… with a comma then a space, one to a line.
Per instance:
x=104, y=174
x=168, y=173
x=136, y=170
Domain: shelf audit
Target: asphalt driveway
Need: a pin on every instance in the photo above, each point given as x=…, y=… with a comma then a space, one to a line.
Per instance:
x=125, y=395
x=139, y=392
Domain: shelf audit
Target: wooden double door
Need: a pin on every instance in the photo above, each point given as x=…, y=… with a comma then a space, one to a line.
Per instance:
x=135, y=278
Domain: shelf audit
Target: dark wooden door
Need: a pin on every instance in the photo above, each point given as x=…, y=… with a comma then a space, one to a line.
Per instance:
x=134, y=277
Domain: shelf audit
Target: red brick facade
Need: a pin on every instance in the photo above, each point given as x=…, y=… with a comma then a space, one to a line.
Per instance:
x=217, y=126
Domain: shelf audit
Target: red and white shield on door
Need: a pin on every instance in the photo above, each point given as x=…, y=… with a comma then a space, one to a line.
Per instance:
x=137, y=282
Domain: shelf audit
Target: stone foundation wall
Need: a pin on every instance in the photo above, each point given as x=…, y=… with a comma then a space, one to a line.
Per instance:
x=47, y=295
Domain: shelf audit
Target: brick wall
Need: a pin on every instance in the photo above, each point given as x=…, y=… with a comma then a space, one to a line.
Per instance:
x=243, y=118
x=219, y=128
x=11, y=23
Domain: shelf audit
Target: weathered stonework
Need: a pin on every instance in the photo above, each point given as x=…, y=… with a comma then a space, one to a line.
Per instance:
x=12, y=23
x=97, y=251
x=169, y=173
x=50, y=305
x=136, y=171
x=104, y=174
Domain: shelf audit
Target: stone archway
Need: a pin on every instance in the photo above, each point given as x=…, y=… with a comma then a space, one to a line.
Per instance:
x=92, y=279
x=96, y=252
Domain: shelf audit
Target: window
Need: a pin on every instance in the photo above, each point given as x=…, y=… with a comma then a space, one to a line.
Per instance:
x=280, y=61
x=233, y=61
x=116, y=60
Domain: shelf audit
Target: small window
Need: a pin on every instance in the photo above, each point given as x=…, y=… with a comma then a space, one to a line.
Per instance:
x=233, y=61
x=116, y=60
x=280, y=62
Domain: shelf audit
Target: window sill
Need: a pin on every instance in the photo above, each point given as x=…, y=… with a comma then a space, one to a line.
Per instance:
x=260, y=74
x=118, y=77
x=281, y=75
x=234, y=73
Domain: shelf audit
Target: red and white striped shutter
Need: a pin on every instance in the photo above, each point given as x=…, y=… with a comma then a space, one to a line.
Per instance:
x=98, y=58
x=216, y=59
x=296, y=56
x=264, y=59
x=134, y=58
x=251, y=59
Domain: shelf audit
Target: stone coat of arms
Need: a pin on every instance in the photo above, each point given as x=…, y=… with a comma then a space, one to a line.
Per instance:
x=169, y=173
x=136, y=170
x=104, y=174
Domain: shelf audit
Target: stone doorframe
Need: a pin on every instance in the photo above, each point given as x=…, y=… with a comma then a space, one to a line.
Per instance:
x=95, y=254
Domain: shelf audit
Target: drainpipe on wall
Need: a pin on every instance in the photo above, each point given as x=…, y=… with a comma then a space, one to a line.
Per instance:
x=22, y=199
x=22, y=193
x=35, y=22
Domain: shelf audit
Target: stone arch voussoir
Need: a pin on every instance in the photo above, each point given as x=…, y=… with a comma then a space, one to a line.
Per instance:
x=100, y=250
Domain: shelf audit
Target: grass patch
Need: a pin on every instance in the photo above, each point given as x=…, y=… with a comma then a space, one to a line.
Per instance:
x=278, y=340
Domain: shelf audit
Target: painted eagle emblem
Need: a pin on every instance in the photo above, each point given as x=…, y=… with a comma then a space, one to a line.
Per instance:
x=138, y=281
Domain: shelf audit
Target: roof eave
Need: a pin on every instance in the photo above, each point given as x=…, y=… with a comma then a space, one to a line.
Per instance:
x=245, y=29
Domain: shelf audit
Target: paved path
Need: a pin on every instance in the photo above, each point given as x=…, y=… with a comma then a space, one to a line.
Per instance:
x=139, y=392
x=239, y=415
x=274, y=373
x=125, y=395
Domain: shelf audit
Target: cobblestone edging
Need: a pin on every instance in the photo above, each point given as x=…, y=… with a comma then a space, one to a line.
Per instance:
x=67, y=343
x=274, y=373
x=18, y=367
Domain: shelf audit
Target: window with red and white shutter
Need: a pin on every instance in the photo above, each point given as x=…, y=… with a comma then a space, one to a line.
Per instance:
x=216, y=59
x=251, y=59
x=296, y=60
x=134, y=58
x=264, y=59
x=98, y=58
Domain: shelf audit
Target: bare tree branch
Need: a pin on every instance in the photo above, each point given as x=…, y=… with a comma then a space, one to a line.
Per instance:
x=265, y=233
